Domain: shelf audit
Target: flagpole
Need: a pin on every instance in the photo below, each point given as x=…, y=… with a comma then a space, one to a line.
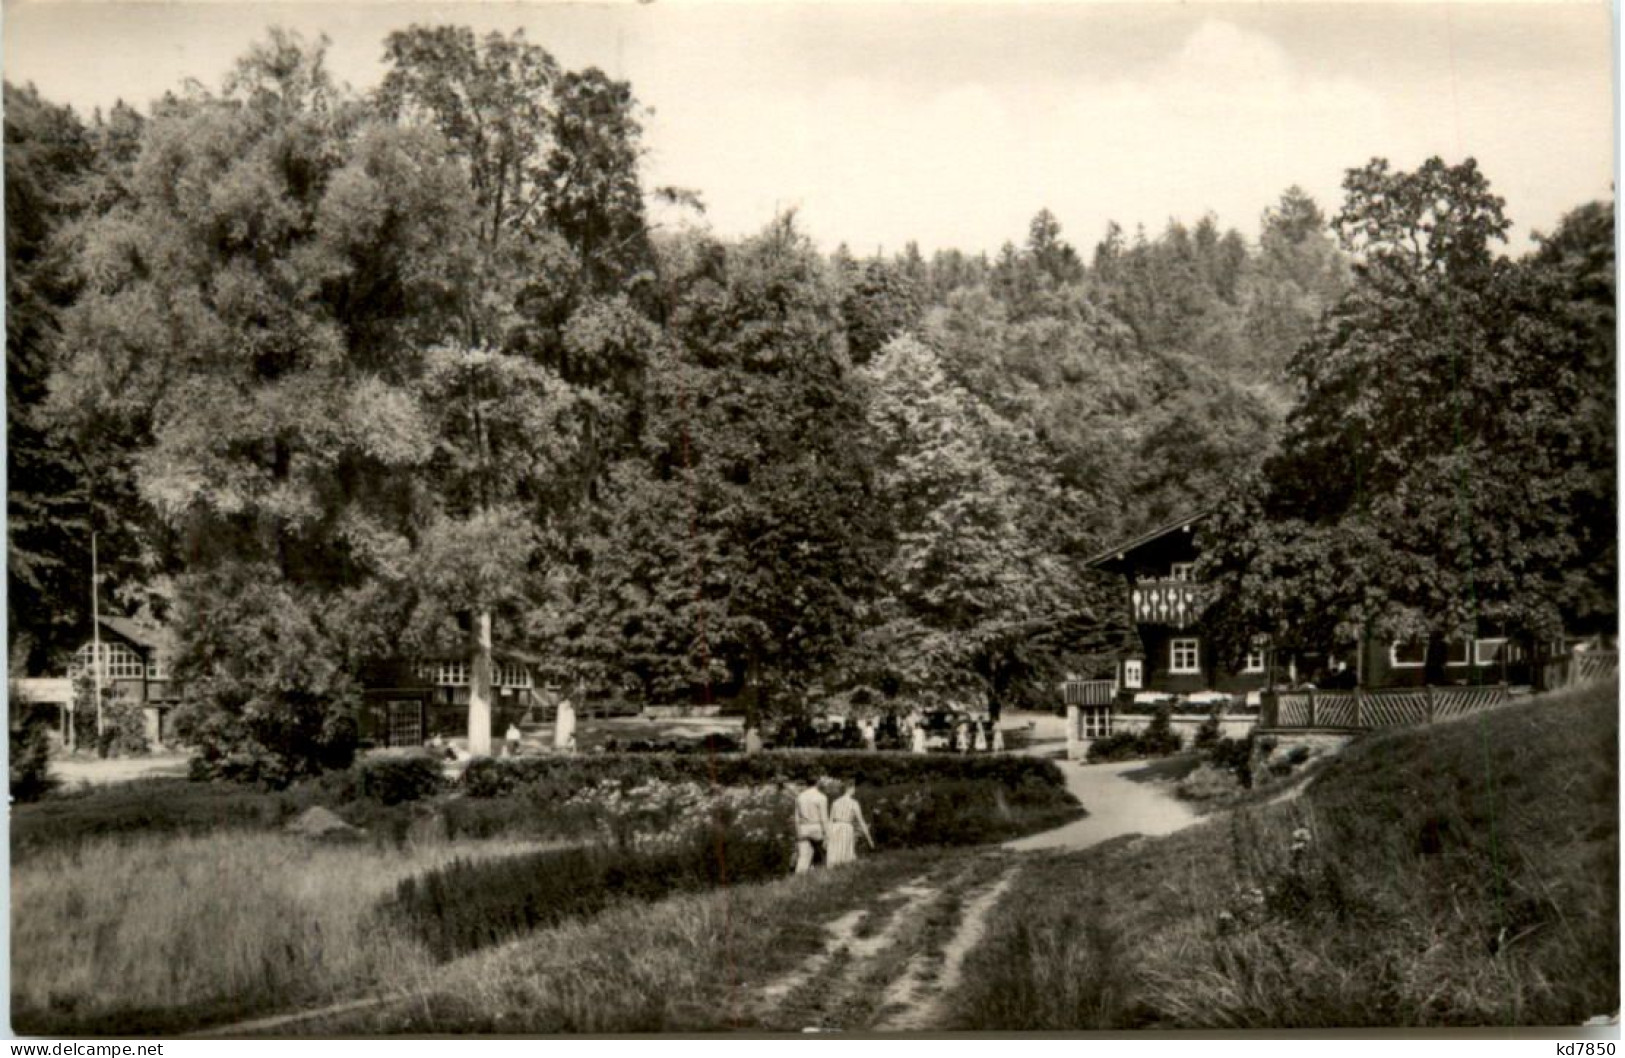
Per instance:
x=96, y=636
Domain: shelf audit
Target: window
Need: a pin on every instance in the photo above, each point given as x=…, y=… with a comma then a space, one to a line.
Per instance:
x=1489, y=651
x=119, y=662
x=1410, y=654
x=1181, y=571
x=1413, y=653
x=511, y=674
x=1254, y=662
x=1134, y=674
x=1182, y=656
x=1096, y=720
x=157, y=668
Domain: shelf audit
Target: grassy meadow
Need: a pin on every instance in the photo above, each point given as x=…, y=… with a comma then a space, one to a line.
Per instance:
x=172, y=932
x=165, y=906
x=1463, y=874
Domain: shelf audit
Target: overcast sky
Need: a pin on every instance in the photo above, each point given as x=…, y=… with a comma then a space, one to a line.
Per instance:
x=953, y=124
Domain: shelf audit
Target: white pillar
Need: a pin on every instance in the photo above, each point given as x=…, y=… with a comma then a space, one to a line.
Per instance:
x=479, y=692
x=1074, y=733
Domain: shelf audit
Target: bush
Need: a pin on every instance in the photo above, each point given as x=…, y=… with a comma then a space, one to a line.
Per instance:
x=496, y=777
x=1158, y=739
x=1210, y=731
x=389, y=780
x=468, y=905
x=1208, y=783
x=1124, y=745
x=30, y=743
x=1234, y=755
x=268, y=699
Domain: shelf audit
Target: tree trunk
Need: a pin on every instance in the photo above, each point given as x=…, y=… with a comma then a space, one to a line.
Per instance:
x=479, y=691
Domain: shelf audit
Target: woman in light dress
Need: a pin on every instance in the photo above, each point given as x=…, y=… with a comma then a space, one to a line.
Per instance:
x=845, y=824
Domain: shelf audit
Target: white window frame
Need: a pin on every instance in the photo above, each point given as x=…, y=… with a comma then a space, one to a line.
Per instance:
x=1393, y=657
x=1134, y=674
x=157, y=667
x=1495, y=645
x=1179, y=646
x=118, y=662
x=1182, y=572
x=1095, y=721
x=1254, y=662
x=1466, y=646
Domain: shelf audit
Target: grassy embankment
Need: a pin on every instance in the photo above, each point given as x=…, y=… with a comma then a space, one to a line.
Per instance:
x=1456, y=875
x=132, y=915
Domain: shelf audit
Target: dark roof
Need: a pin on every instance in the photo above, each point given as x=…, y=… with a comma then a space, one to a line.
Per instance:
x=1146, y=538
x=147, y=636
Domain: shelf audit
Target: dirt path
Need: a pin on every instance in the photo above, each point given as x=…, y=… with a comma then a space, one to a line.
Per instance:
x=1117, y=805
x=887, y=966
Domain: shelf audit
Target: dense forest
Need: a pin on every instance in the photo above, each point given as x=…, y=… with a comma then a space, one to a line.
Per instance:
x=336, y=376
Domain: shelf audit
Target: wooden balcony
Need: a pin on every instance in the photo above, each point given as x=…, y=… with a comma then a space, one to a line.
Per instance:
x=1176, y=603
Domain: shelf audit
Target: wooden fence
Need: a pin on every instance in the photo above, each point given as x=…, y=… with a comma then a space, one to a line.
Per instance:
x=1089, y=692
x=1364, y=710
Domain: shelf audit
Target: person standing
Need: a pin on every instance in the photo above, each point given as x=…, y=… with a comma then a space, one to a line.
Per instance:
x=978, y=741
x=998, y=738
x=918, y=737
x=812, y=824
x=846, y=822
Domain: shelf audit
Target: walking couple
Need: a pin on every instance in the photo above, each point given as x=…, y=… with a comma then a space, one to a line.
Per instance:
x=834, y=828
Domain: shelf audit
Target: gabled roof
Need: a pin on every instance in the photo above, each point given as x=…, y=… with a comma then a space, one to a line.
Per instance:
x=146, y=636
x=1145, y=538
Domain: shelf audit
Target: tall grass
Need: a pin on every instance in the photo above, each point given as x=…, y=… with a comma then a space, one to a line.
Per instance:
x=689, y=963
x=164, y=933
x=1463, y=874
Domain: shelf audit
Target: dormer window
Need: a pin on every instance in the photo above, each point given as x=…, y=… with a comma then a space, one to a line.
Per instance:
x=1182, y=571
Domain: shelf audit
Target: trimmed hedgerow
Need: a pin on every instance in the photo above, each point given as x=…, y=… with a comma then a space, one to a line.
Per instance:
x=468, y=905
x=496, y=777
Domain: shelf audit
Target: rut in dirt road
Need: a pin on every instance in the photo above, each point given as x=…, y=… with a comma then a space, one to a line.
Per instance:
x=887, y=965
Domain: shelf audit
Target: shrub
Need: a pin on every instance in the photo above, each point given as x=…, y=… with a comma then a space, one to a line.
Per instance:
x=496, y=777
x=1208, y=783
x=1234, y=755
x=389, y=780
x=1159, y=739
x=1210, y=731
x=30, y=743
x=1124, y=745
x=268, y=699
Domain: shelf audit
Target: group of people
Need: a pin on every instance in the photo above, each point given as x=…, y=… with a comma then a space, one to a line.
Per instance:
x=969, y=736
x=832, y=829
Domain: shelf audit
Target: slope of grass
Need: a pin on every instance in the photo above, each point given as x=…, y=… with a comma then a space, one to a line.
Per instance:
x=684, y=964
x=170, y=933
x=1463, y=874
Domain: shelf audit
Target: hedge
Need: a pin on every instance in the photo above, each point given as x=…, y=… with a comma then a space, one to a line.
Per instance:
x=496, y=777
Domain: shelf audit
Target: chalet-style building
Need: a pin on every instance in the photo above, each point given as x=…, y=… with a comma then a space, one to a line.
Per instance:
x=1175, y=657
x=135, y=661
x=407, y=702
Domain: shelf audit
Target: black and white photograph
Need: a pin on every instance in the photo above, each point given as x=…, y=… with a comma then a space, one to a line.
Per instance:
x=822, y=520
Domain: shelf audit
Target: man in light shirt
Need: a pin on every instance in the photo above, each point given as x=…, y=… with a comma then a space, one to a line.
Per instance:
x=812, y=823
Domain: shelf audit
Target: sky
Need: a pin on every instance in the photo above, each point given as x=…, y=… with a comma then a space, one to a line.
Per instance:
x=951, y=124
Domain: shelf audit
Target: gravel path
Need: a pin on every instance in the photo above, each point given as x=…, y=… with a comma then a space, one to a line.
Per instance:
x=1117, y=806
